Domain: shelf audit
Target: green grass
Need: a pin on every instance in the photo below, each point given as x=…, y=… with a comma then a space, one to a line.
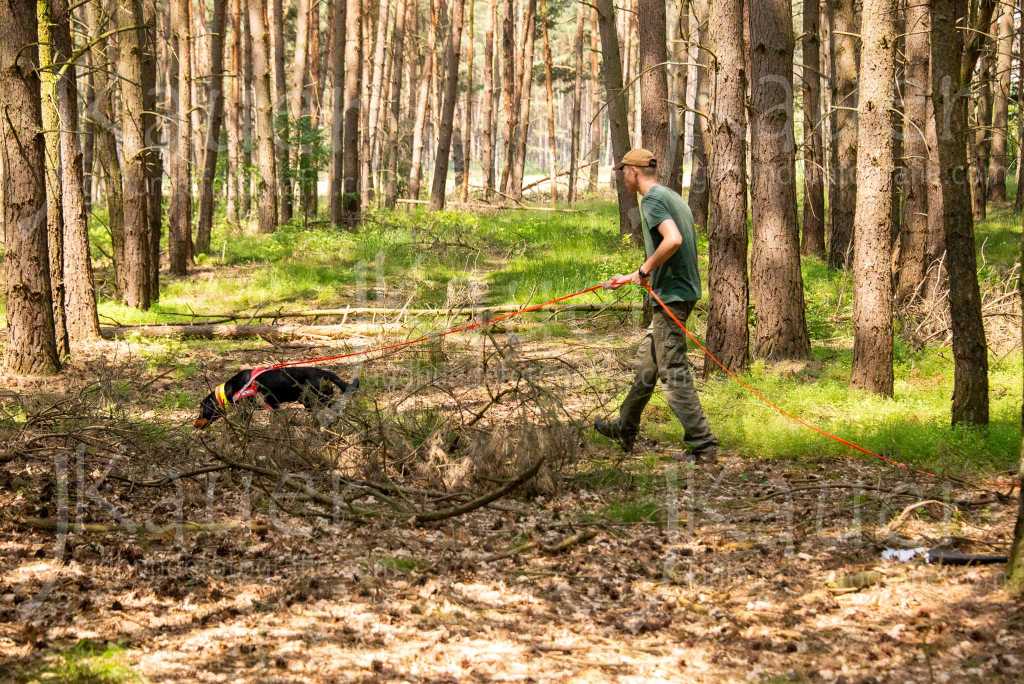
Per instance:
x=87, y=662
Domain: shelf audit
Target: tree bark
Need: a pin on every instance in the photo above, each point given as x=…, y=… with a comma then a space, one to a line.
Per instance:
x=914, y=233
x=525, y=94
x=49, y=65
x=444, y=141
x=31, y=347
x=727, y=333
x=844, y=29
x=549, y=90
x=233, y=93
x=1015, y=568
x=151, y=130
x=422, y=110
x=577, y=105
x=1001, y=104
x=488, y=136
x=980, y=144
x=814, y=156
x=282, y=127
x=80, y=294
x=467, y=106
x=180, y=210
x=266, y=181
x=314, y=84
x=700, y=192
x=509, y=81
x=654, y=109
x=131, y=44
x=394, y=147
x=872, y=282
x=953, y=58
x=338, y=25
x=353, y=87
x=298, y=105
x=776, y=283
x=596, y=125
x=681, y=54
x=618, y=117
x=377, y=82
x=215, y=102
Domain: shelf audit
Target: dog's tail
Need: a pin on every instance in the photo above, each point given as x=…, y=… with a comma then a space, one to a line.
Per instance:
x=345, y=387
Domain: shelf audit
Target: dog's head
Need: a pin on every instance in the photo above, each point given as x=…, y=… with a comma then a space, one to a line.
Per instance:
x=211, y=408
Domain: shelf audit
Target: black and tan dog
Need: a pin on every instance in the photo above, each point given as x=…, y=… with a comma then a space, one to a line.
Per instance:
x=312, y=387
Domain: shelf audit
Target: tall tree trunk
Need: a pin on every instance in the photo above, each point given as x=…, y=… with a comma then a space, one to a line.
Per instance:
x=180, y=210
x=353, y=87
x=577, y=104
x=377, y=84
x=338, y=25
x=1001, y=103
x=681, y=54
x=654, y=108
x=31, y=347
x=80, y=293
x=215, y=102
x=872, y=282
x=776, y=284
x=727, y=334
x=311, y=175
x=700, y=191
x=814, y=156
x=596, y=127
x=509, y=81
x=1015, y=568
x=365, y=82
x=467, y=108
x=980, y=144
x=49, y=76
x=88, y=128
x=1018, y=200
x=151, y=129
x=266, y=182
x=131, y=42
x=420, y=123
x=444, y=141
x=525, y=90
x=234, y=122
x=394, y=151
x=844, y=30
x=618, y=117
x=952, y=64
x=298, y=106
x=550, y=93
x=248, y=113
x=914, y=233
x=285, y=198
x=488, y=136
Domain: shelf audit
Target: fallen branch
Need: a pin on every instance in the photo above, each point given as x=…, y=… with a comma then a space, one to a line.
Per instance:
x=445, y=513
x=209, y=331
x=900, y=519
x=139, y=529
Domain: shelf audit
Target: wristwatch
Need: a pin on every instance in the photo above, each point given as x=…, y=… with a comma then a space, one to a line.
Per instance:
x=642, y=273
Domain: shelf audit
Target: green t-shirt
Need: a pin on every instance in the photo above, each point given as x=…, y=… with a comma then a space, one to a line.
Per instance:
x=678, y=279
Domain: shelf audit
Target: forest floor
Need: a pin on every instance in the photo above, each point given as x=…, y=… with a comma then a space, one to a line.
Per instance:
x=764, y=566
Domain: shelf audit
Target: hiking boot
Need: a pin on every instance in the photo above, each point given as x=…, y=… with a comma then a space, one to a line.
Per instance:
x=612, y=430
x=705, y=455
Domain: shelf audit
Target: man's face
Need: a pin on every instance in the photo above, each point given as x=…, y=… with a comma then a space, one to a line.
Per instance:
x=629, y=178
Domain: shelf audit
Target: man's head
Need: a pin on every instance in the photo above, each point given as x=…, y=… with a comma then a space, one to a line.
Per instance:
x=636, y=164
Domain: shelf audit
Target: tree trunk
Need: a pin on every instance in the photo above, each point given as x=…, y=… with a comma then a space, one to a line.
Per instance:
x=618, y=117
x=353, y=87
x=377, y=82
x=776, y=283
x=394, y=151
x=550, y=94
x=1015, y=568
x=338, y=25
x=1001, y=104
x=151, y=129
x=235, y=172
x=314, y=84
x=285, y=198
x=914, y=233
x=422, y=110
x=872, y=282
x=842, y=193
x=488, y=136
x=31, y=347
x=49, y=76
x=814, y=157
x=444, y=141
x=180, y=210
x=215, y=102
x=135, y=192
x=952, y=64
x=681, y=54
x=248, y=113
x=467, y=107
x=525, y=91
x=509, y=81
x=577, y=105
x=728, y=299
x=654, y=109
x=80, y=293
x=266, y=188
x=298, y=108
x=980, y=144
x=596, y=127
x=700, y=192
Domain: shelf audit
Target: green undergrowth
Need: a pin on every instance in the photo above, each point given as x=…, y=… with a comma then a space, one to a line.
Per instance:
x=87, y=662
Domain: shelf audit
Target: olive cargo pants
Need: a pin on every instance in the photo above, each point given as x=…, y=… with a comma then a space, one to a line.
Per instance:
x=662, y=355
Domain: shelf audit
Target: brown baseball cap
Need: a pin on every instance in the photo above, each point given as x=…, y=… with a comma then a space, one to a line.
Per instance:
x=638, y=157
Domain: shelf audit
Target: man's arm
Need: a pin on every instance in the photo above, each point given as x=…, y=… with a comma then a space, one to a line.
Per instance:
x=671, y=240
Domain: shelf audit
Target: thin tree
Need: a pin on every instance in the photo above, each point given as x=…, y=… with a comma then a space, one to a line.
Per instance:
x=872, y=281
x=444, y=140
x=1015, y=568
x=681, y=55
x=248, y=114
x=314, y=84
x=131, y=42
x=215, y=103
x=467, y=105
x=31, y=347
x=654, y=110
x=338, y=25
x=298, y=105
x=266, y=189
x=377, y=83
x=282, y=146
x=393, y=152
x=488, y=136
x=422, y=109
x=618, y=118
x=509, y=83
x=596, y=124
x=776, y=284
x=152, y=129
x=524, y=69
x=844, y=27
x=813, y=147
x=180, y=210
x=353, y=87
x=1001, y=103
x=577, y=104
x=234, y=122
x=980, y=144
x=953, y=60
x=700, y=192
x=549, y=90
x=727, y=333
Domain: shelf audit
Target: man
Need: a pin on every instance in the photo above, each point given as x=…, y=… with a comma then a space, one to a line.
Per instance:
x=671, y=269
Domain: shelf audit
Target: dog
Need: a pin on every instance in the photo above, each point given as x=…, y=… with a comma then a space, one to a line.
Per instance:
x=312, y=387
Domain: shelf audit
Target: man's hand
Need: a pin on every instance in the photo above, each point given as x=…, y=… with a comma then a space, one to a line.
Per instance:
x=618, y=281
